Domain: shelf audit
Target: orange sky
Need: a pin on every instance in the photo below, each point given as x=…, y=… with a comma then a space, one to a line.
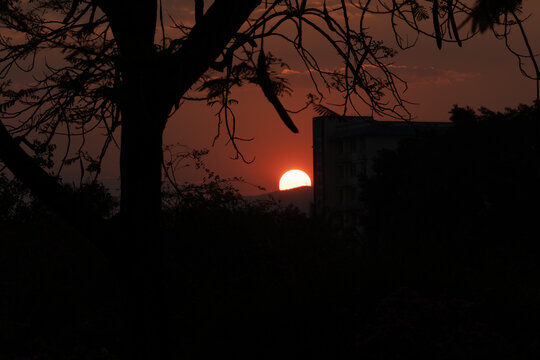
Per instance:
x=482, y=73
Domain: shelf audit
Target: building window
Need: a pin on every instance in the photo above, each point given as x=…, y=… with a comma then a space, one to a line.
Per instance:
x=352, y=144
x=347, y=170
x=347, y=195
x=362, y=171
x=361, y=143
x=341, y=146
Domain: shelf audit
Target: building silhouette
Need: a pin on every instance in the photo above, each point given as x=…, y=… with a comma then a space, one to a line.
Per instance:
x=343, y=152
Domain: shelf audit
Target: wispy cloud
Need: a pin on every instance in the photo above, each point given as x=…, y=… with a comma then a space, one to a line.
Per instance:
x=417, y=75
x=436, y=76
x=290, y=72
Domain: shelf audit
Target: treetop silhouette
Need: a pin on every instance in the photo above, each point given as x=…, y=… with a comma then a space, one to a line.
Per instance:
x=70, y=68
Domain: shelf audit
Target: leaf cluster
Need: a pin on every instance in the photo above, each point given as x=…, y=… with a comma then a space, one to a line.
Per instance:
x=70, y=95
x=488, y=13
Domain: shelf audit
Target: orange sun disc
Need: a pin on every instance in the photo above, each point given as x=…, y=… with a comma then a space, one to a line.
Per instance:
x=293, y=179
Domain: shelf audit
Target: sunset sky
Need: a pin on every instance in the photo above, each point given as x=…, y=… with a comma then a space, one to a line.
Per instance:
x=482, y=73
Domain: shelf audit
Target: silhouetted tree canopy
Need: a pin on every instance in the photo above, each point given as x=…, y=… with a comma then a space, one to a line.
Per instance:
x=250, y=278
x=459, y=201
x=70, y=70
x=451, y=240
x=105, y=60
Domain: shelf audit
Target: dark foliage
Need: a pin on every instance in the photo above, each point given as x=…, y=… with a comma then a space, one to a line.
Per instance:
x=18, y=207
x=13, y=199
x=245, y=279
x=59, y=300
x=447, y=268
x=453, y=216
x=486, y=13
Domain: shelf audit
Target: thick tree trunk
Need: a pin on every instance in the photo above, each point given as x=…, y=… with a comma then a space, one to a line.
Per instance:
x=149, y=86
x=141, y=251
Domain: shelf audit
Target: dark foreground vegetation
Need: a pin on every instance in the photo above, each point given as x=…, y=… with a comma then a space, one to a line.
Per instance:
x=447, y=267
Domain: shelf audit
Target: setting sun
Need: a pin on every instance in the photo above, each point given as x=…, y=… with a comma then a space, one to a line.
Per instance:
x=293, y=179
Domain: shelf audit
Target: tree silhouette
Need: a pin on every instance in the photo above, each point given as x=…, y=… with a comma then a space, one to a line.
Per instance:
x=444, y=20
x=457, y=201
x=96, y=65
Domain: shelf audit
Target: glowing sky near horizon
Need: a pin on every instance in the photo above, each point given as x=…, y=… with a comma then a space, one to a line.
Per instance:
x=481, y=74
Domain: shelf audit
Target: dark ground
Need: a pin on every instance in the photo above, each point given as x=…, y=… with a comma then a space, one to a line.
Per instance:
x=447, y=268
